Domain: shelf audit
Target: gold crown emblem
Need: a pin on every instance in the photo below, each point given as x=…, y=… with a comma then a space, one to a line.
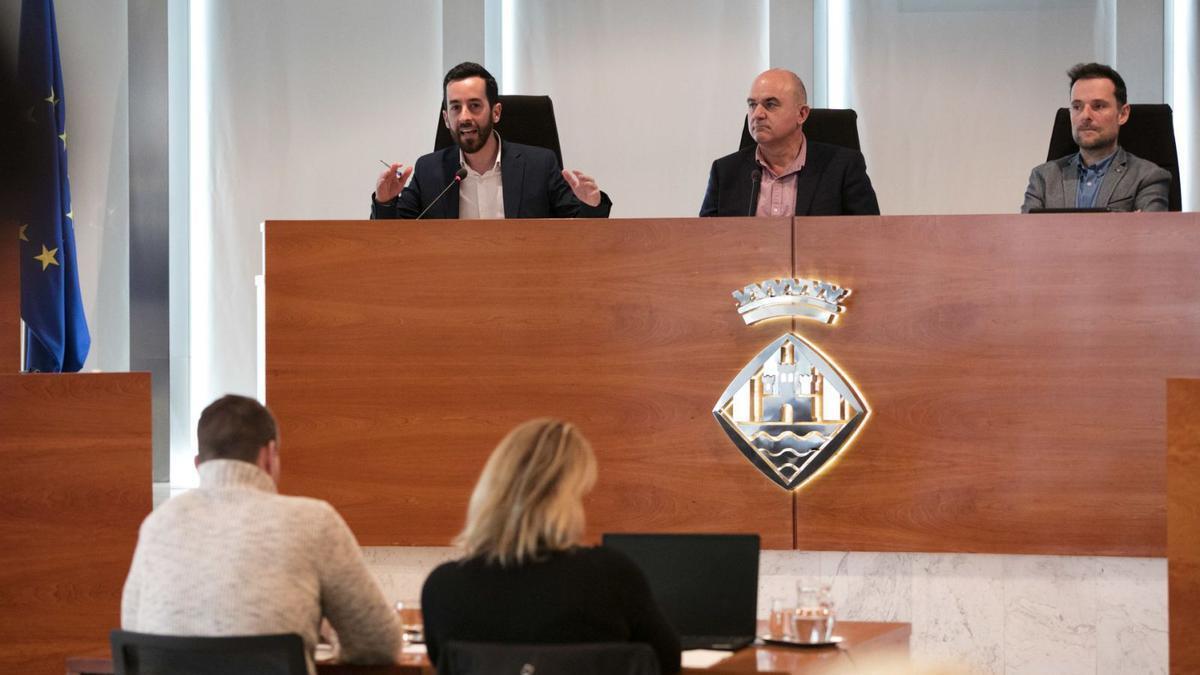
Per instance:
x=806, y=298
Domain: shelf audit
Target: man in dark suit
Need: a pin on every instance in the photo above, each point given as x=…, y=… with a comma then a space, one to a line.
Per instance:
x=785, y=174
x=1102, y=174
x=495, y=178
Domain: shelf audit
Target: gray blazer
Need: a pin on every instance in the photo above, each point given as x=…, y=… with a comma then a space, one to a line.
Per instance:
x=1131, y=184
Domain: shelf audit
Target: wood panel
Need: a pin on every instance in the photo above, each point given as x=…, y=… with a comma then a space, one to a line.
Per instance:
x=1183, y=522
x=75, y=487
x=1014, y=366
x=398, y=354
x=10, y=300
x=872, y=647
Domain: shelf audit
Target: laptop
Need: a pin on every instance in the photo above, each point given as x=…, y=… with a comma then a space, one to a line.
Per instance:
x=706, y=584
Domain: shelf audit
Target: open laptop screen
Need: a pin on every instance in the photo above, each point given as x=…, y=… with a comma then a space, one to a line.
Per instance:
x=706, y=584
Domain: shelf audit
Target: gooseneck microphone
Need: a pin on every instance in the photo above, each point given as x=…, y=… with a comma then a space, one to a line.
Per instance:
x=458, y=176
x=755, y=180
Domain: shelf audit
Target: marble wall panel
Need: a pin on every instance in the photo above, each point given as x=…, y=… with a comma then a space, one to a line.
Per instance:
x=988, y=614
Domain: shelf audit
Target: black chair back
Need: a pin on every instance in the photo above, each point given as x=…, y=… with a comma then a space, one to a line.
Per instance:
x=1149, y=133
x=824, y=125
x=598, y=658
x=523, y=119
x=144, y=654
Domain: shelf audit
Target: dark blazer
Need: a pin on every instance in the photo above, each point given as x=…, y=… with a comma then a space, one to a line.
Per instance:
x=532, y=183
x=833, y=182
x=1130, y=184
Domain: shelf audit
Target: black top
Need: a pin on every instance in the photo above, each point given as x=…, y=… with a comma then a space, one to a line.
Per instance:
x=581, y=595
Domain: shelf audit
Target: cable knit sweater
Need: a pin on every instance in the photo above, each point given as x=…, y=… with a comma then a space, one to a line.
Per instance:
x=233, y=557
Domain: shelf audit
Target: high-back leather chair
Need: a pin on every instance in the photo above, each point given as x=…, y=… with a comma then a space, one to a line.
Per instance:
x=1149, y=133
x=145, y=654
x=523, y=119
x=596, y=658
x=835, y=126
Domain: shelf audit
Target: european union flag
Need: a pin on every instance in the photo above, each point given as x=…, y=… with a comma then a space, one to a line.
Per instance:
x=56, y=336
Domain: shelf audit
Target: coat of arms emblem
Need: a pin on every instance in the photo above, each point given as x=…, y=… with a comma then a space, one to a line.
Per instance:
x=790, y=410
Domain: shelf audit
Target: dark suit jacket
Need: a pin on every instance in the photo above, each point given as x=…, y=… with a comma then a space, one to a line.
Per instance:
x=833, y=182
x=533, y=187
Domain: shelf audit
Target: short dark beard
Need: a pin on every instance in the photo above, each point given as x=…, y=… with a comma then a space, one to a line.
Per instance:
x=481, y=138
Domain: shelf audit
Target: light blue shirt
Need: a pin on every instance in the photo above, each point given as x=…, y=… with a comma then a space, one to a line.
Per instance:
x=1090, y=178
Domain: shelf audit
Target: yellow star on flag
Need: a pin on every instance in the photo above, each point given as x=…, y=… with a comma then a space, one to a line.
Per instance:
x=52, y=100
x=63, y=136
x=47, y=257
x=21, y=233
x=71, y=214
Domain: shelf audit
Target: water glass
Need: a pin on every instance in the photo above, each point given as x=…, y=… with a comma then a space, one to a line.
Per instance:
x=814, y=619
x=779, y=623
x=412, y=622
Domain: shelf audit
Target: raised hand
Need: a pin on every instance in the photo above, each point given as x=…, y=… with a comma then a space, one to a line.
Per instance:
x=391, y=182
x=584, y=187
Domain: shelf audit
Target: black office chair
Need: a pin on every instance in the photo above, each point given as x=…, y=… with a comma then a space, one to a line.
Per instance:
x=523, y=119
x=824, y=125
x=1149, y=133
x=144, y=654
x=599, y=658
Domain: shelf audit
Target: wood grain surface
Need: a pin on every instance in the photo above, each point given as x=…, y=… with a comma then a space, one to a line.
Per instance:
x=399, y=354
x=1015, y=367
x=1013, y=364
x=867, y=647
x=1183, y=522
x=75, y=487
x=10, y=300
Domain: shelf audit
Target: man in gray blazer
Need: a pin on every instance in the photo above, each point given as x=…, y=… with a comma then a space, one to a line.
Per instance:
x=1101, y=174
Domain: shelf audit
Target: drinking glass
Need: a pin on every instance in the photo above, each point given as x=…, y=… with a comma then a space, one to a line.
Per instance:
x=412, y=623
x=779, y=624
x=813, y=619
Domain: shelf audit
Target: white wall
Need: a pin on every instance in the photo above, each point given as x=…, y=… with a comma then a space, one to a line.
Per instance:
x=956, y=99
x=646, y=94
x=305, y=99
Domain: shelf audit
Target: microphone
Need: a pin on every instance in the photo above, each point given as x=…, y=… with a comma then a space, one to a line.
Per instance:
x=755, y=180
x=458, y=176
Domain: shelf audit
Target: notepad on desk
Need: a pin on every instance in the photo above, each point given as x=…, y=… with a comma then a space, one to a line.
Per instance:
x=702, y=658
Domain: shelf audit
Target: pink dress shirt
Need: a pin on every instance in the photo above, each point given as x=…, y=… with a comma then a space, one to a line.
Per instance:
x=777, y=193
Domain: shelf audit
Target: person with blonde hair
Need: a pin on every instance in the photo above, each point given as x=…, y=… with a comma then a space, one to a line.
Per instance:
x=524, y=576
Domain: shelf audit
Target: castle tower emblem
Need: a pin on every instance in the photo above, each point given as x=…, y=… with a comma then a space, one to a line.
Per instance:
x=790, y=410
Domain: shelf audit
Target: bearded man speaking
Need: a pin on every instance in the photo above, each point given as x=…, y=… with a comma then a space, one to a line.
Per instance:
x=481, y=175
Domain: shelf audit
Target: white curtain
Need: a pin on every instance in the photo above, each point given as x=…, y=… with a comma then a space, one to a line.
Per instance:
x=956, y=98
x=305, y=98
x=646, y=94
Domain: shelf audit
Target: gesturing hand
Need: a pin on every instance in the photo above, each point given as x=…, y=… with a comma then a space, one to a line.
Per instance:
x=584, y=187
x=391, y=182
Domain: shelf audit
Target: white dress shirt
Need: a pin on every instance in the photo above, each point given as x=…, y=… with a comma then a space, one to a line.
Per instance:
x=481, y=195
